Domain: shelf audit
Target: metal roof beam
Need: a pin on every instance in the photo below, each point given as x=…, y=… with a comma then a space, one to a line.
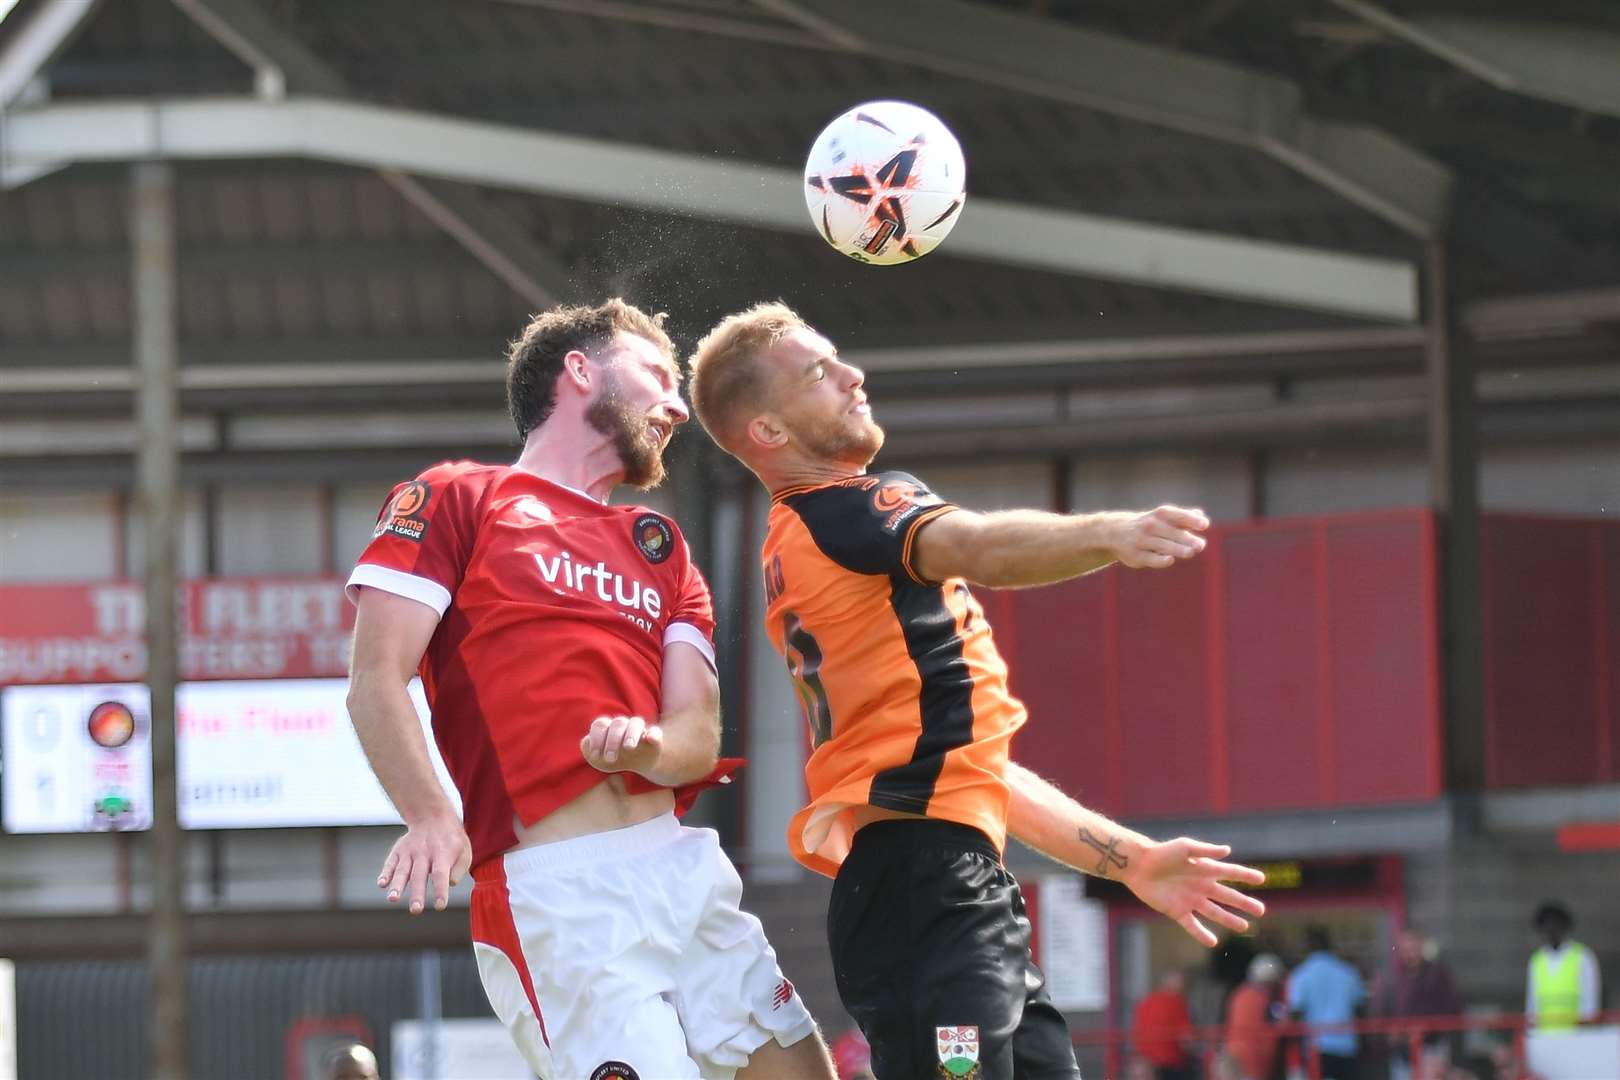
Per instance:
x=282, y=62
x=602, y=171
x=45, y=34
x=1567, y=64
x=1125, y=77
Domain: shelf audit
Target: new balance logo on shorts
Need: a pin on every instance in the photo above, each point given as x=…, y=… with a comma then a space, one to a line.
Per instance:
x=782, y=995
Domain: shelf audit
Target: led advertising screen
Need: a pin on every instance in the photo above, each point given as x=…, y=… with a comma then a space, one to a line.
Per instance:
x=251, y=754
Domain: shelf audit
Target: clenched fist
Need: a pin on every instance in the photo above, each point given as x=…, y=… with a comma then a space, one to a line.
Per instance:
x=622, y=744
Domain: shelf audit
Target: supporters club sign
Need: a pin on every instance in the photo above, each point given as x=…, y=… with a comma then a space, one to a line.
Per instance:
x=231, y=628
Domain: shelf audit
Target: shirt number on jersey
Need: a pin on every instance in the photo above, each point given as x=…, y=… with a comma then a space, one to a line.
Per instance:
x=803, y=657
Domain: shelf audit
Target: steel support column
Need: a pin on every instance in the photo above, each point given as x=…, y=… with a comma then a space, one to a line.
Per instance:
x=1454, y=496
x=157, y=406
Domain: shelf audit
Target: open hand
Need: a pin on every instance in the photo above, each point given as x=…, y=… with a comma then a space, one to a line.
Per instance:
x=1182, y=879
x=622, y=744
x=1160, y=537
x=435, y=851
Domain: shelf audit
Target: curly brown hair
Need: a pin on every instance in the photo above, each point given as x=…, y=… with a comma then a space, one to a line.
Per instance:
x=535, y=358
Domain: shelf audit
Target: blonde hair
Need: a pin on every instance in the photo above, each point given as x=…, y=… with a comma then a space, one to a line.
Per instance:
x=534, y=359
x=729, y=383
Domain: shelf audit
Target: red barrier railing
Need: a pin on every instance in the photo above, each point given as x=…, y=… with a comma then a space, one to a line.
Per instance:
x=1406, y=1037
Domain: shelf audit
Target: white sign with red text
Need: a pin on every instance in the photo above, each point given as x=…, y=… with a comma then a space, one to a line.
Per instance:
x=250, y=754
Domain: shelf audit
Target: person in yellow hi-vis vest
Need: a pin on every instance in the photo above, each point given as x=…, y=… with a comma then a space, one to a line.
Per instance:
x=1563, y=987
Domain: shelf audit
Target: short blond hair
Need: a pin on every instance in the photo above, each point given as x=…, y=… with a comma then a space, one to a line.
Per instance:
x=729, y=382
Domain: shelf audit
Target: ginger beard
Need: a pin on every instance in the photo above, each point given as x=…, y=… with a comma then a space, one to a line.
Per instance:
x=851, y=438
x=640, y=450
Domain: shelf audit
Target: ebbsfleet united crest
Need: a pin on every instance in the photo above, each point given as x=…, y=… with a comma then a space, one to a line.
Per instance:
x=958, y=1049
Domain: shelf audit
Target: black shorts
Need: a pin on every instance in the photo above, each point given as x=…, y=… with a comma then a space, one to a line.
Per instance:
x=930, y=946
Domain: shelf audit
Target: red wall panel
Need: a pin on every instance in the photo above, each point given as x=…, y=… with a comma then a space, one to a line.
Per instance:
x=1273, y=684
x=1382, y=645
x=1063, y=664
x=1292, y=666
x=1163, y=699
x=1606, y=641
x=1549, y=621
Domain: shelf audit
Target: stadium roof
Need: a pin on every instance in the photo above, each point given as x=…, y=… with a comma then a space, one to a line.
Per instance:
x=372, y=196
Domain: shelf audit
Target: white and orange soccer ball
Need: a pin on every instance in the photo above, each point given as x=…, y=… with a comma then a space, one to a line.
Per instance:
x=885, y=182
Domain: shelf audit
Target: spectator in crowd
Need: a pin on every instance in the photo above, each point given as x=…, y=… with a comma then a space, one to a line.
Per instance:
x=1325, y=989
x=352, y=1062
x=852, y=1055
x=1252, y=1045
x=1562, y=986
x=1419, y=985
x=1163, y=1030
x=1209, y=989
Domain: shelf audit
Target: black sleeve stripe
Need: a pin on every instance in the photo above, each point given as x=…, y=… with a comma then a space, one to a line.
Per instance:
x=911, y=539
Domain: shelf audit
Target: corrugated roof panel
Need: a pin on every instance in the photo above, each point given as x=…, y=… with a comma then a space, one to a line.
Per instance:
x=343, y=303
x=202, y=311
x=99, y=211
x=106, y=308
x=331, y=205
x=377, y=208
x=431, y=307
x=232, y=207
x=45, y=216
x=251, y=309
x=281, y=198
x=386, y=292
x=295, y=304
x=20, y=321
x=62, y=307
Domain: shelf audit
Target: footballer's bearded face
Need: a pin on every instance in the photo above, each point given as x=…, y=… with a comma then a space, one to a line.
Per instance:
x=638, y=406
x=821, y=401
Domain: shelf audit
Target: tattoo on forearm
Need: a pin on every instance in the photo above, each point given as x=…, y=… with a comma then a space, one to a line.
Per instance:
x=1108, y=849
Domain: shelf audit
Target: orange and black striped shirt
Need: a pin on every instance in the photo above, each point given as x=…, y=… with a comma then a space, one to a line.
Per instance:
x=902, y=687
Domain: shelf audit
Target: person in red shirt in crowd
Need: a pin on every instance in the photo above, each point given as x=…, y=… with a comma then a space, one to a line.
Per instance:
x=1251, y=1042
x=566, y=650
x=1162, y=1029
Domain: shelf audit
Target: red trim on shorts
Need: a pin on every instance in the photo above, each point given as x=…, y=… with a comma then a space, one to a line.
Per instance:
x=493, y=925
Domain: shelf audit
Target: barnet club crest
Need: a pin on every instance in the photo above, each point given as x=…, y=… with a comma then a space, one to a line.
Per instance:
x=958, y=1051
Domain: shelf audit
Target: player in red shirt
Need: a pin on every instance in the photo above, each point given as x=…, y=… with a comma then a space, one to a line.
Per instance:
x=565, y=647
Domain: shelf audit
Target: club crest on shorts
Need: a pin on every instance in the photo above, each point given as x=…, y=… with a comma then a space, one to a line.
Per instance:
x=614, y=1070
x=958, y=1049
x=654, y=537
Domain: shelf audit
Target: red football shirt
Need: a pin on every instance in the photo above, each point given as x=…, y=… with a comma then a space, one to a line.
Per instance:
x=554, y=609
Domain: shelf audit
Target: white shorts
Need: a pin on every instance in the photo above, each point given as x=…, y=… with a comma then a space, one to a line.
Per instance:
x=624, y=956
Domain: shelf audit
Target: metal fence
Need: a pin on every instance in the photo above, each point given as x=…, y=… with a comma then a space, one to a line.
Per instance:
x=89, y=1020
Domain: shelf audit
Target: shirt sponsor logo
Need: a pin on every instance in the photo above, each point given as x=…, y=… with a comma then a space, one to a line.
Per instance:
x=895, y=499
x=639, y=603
x=405, y=513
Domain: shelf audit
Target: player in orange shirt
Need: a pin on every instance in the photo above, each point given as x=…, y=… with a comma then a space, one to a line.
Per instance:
x=912, y=791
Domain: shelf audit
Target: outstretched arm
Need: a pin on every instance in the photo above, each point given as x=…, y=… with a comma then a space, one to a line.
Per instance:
x=390, y=634
x=1181, y=879
x=1020, y=548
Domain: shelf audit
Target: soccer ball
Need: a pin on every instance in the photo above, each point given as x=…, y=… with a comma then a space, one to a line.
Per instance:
x=885, y=182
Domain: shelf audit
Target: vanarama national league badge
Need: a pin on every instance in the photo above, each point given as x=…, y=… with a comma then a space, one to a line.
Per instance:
x=958, y=1049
